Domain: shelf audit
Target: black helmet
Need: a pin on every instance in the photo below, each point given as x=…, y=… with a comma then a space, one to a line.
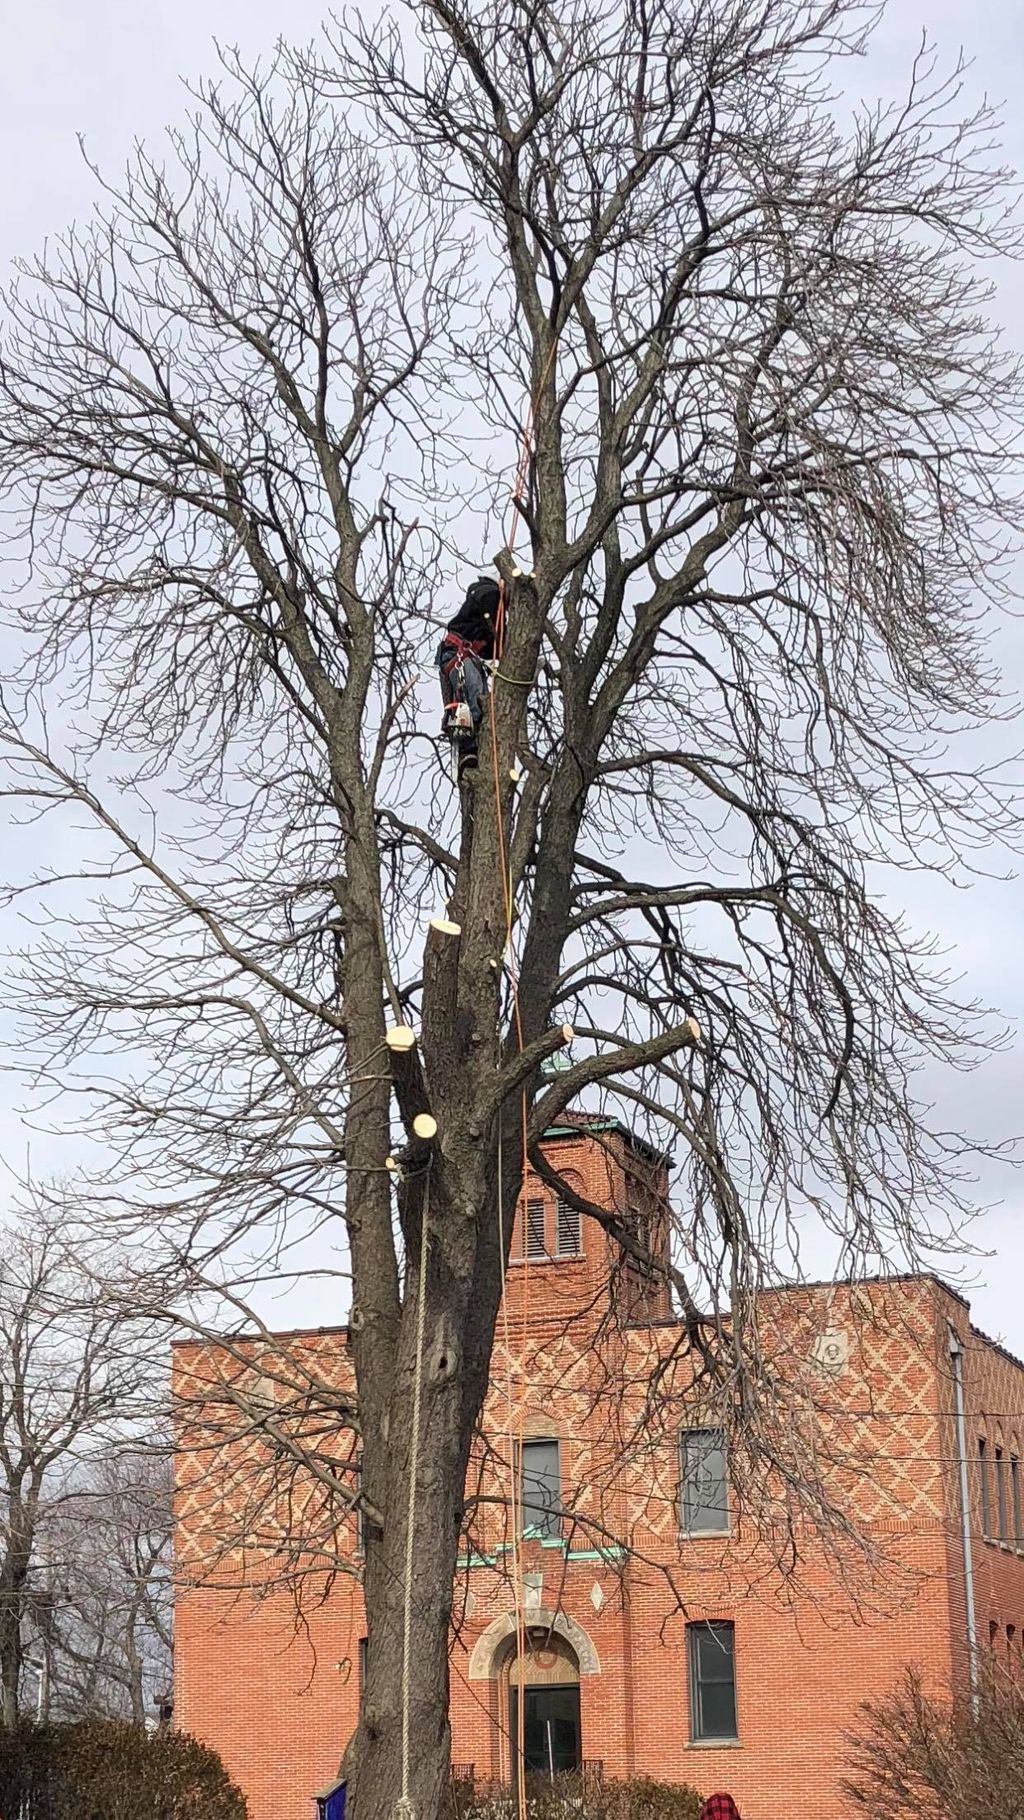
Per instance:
x=483, y=595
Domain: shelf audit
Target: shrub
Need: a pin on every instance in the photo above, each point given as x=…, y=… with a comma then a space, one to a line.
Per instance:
x=99, y=1769
x=578, y=1798
x=644, y=1799
x=917, y=1756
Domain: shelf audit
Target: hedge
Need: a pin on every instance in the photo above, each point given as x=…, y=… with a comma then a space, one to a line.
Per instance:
x=578, y=1798
x=102, y=1769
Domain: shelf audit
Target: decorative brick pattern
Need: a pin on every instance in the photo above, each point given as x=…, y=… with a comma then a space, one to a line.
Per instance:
x=866, y=1371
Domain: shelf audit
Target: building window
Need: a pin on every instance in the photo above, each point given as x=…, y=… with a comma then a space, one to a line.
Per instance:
x=362, y=1670
x=541, y=1488
x=1018, y=1531
x=986, y=1495
x=704, y=1498
x=1001, y=1494
x=536, y=1245
x=641, y=1222
x=568, y=1231
x=712, y=1682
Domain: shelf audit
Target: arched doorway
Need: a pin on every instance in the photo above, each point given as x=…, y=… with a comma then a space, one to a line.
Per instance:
x=547, y=1680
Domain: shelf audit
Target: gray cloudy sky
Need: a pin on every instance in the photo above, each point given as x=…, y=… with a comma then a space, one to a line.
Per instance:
x=110, y=70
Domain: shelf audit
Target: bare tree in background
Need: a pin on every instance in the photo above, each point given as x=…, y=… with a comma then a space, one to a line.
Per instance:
x=74, y=1376
x=919, y=1755
x=257, y=419
x=107, y=1632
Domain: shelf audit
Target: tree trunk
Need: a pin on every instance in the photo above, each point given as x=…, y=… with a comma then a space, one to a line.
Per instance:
x=136, y=1668
x=10, y=1660
x=453, y=1180
x=13, y=1580
x=375, y=1760
x=463, y=1284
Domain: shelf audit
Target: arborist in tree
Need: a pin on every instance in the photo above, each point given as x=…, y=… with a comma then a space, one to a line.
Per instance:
x=466, y=648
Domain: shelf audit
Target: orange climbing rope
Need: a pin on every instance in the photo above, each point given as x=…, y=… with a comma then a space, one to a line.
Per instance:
x=515, y=1428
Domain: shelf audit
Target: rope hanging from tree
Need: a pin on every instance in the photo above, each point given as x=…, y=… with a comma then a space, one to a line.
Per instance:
x=515, y=1441
x=405, y=1808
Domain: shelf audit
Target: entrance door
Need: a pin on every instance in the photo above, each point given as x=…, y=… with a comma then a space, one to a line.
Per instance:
x=551, y=1729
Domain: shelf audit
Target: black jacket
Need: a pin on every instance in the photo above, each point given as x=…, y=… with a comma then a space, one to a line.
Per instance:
x=475, y=619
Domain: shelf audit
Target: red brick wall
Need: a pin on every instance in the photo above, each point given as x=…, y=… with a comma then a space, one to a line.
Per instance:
x=994, y=1395
x=276, y=1692
x=276, y=1700
x=279, y=1704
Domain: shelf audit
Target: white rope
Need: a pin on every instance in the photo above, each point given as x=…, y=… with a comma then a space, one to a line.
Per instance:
x=405, y=1808
x=516, y=1744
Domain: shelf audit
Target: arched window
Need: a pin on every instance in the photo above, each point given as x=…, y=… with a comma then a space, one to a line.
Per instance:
x=986, y=1489
x=1002, y=1518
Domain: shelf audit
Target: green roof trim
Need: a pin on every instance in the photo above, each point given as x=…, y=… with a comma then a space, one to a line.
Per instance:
x=615, y=1126
x=557, y=1131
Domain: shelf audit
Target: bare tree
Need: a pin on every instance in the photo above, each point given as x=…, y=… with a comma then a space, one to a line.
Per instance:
x=73, y=1376
x=254, y=419
x=107, y=1633
x=923, y=1755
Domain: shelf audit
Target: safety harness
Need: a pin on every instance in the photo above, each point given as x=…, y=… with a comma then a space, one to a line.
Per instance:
x=460, y=649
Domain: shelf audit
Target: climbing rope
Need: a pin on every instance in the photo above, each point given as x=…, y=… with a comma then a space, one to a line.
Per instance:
x=508, y=891
x=514, y=1501
x=515, y=1430
x=405, y=1808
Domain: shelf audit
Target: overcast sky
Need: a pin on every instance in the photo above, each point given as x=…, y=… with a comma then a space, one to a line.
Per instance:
x=110, y=71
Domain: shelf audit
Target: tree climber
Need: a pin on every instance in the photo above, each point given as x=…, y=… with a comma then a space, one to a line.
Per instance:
x=465, y=649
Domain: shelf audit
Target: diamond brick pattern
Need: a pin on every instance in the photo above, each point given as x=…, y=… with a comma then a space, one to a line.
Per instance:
x=594, y=1360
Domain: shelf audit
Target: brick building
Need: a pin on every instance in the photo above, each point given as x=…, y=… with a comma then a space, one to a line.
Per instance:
x=669, y=1632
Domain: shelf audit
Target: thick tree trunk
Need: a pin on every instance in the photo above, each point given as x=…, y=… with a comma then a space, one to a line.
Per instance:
x=375, y=1762
x=454, y=1177
x=452, y=1390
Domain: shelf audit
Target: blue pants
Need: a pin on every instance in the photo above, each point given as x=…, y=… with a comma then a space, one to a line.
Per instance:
x=467, y=682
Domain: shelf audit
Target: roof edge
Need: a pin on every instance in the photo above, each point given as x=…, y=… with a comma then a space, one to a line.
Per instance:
x=249, y=1335
x=997, y=1346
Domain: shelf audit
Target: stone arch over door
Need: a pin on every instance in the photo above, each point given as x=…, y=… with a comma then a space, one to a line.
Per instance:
x=492, y=1646
x=547, y=1660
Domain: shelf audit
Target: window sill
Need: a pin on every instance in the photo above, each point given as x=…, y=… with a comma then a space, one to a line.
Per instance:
x=706, y=1535
x=565, y=1257
x=715, y=1744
